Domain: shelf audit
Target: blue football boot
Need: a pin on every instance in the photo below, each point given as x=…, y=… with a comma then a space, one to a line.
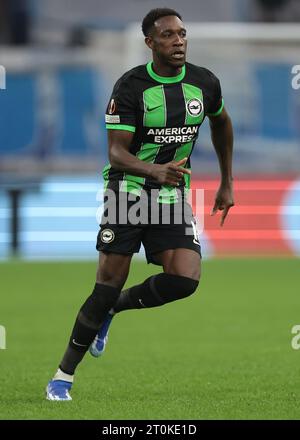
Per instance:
x=58, y=390
x=98, y=345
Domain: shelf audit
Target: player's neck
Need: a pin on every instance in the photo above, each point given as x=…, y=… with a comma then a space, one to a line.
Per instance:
x=163, y=70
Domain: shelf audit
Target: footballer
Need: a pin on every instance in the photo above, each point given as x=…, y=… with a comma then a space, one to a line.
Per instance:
x=153, y=120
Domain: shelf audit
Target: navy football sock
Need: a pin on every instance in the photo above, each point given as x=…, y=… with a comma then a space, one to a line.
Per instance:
x=88, y=322
x=155, y=291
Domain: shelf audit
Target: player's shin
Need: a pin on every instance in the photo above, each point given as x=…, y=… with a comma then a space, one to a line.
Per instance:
x=87, y=323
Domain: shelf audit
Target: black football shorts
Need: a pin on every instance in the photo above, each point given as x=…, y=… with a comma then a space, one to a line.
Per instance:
x=127, y=223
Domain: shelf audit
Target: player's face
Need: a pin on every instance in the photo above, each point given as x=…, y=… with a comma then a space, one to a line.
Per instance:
x=168, y=41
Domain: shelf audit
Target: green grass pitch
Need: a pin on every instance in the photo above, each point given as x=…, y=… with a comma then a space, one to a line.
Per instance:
x=224, y=353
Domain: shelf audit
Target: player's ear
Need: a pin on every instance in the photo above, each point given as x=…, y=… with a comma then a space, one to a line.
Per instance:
x=149, y=42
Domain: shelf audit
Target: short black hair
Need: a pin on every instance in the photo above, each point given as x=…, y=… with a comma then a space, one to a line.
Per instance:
x=154, y=15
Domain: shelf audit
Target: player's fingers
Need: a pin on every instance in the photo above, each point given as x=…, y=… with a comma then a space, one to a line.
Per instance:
x=178, y=174
x=178, y=166
x=215, y=208
x=184, y=170
x=224, y=214
x=173, y=183
x=181, y=162
x=172, y=174
x=173, y=180
x=179, y=169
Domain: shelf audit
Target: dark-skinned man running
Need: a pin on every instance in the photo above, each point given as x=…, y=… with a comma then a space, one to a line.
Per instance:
x=153, y=119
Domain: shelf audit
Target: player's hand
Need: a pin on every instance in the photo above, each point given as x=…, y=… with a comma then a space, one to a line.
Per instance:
x=170, y=173
x=223, y=201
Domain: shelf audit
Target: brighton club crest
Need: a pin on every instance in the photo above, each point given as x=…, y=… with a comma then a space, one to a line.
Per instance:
x=194, y=107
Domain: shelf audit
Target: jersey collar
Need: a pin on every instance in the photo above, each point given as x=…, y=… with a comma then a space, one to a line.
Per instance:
x=165, y=79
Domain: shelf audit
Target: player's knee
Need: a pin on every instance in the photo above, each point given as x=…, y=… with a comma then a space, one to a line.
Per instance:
x=185, y=286
x=104, y=294
x=99, y=302
x=113, y=269
x=191, y=272
x=190, y=268
x=106, y=275
x=172, y=287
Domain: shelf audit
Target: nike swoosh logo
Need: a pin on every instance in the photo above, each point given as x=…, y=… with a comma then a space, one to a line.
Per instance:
x=80, y=345
x=141, y=302
x=150, y=109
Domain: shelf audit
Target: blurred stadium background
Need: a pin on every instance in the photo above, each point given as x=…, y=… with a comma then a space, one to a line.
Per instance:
x=60, y=69
x=61, y=59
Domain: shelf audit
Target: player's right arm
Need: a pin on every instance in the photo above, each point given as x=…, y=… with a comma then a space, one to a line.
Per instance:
x=120, y=158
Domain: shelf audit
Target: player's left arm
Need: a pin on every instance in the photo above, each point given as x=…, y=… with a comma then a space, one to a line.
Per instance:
x=222, y=139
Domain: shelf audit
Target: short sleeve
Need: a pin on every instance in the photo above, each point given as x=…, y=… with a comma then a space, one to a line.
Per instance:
x=216, y=100
x=121, y=112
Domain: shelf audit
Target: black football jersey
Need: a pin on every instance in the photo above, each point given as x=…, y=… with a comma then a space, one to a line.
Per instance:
x=165, y=114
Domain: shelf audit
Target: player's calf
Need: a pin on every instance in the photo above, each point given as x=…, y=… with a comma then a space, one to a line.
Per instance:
x=153, y=292
x=156, y=291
